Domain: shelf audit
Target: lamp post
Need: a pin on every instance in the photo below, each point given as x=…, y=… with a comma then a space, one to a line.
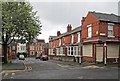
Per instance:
x=80, y=57
x=105, y=53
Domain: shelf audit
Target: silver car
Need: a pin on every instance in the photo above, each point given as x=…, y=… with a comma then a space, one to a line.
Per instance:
x=21, y=57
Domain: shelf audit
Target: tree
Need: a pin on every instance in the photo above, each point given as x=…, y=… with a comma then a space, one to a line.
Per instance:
x=18, y=21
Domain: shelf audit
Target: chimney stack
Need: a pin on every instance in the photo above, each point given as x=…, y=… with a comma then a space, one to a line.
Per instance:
x=69, y=28
x=58, y=33
x=83, y=19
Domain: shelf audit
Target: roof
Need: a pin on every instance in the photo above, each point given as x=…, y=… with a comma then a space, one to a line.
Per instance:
x=40, y=40
x=107, y=17
x=53, y=36
x=68, y=33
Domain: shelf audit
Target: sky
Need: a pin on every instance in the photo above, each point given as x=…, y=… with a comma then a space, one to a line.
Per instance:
x=56, y=15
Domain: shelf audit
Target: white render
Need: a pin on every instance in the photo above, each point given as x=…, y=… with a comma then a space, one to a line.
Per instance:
x=21, y=48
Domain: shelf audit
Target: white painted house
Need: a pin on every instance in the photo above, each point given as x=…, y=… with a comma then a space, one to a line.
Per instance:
x=21, y=48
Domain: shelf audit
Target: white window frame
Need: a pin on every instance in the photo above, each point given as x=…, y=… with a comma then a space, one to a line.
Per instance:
x=110, y=30
x=78, y=36
x=59, y=42
x=89, y=31
x=70, y=51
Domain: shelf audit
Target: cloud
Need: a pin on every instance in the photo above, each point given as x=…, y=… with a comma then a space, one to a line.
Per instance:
x=50, y=29
x=55, y=16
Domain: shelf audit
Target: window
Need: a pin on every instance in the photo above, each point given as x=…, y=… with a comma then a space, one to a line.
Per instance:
x=89, y=31
x=70, y=51
x=75, y=50
x=110, y=29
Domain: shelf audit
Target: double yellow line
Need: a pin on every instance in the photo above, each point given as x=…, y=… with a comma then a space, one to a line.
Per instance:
x=27, y=68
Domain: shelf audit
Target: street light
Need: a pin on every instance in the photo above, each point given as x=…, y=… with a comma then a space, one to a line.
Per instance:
x=105, y=53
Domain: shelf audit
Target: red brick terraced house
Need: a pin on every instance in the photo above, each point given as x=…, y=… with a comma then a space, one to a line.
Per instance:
x=65, y=46
x=36, y=48
x=46, y=48
x=100, y=36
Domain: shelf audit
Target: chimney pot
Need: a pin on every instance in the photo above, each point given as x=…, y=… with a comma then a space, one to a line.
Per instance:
x=69, y=28
x=58, y=33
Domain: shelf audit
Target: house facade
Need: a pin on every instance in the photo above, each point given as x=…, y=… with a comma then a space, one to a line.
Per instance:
x=65, y=46
x=100, y=36
x=36, y=48
x=12, y=51
x=46, y=48
x=21, y=48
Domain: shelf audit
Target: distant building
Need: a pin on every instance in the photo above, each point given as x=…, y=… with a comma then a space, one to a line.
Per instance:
x=36, y=48
x=12, y=51
x=46, y=48
x=21, y=48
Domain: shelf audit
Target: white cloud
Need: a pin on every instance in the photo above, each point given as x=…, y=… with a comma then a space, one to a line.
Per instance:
x=56, y=16
x=50, y=29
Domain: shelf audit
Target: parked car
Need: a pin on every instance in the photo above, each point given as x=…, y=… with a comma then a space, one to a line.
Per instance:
x=37, y=57
x=21, y=57
x=44, y=57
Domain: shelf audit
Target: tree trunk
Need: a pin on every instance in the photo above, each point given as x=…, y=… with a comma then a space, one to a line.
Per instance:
x=5, y=53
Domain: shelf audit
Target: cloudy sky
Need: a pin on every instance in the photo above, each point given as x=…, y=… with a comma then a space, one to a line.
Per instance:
x=55, y=16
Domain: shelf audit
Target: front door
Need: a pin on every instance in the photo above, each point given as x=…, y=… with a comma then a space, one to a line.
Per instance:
x=99, y=54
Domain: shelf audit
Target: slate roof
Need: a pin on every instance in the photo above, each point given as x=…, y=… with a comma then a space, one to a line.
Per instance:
x=107, y=17
x=68, y=33
x=40, y=40
x=53, y=36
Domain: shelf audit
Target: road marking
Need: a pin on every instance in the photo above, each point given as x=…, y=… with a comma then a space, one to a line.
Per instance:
x=27, y=68
x=81, y=77
x=63, y=65
x=5, y=74
x=91, y=67
x=13, y=74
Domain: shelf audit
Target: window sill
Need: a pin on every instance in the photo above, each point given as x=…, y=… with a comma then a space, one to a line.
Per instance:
x=88, y=37
x=70, y=55
x=111, y=36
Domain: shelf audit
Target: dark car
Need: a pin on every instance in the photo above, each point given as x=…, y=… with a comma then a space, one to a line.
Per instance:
x=44, y=57
x=37, y=57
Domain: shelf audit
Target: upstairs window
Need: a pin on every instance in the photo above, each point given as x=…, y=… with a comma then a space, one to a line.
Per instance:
x=89, y=28
x=110, y=29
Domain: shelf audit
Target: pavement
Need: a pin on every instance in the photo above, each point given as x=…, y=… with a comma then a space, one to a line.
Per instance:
x=86, y=64
x=19, y=65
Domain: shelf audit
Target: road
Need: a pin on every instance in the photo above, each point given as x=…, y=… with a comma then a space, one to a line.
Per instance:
x=37, y=69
